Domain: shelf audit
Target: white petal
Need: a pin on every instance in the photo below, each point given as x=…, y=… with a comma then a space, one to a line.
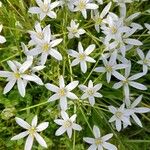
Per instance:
x=80, y=47
x=89, y=140
x=73, y=117
x=76, y=127
x=90, y=59
x=72, y=85
x=53, y=97
x=2, y=39
x=29, y=143
x=92, y=147
x=118, y=85
x=105, y=10
x=34, y=121
x=107, y=137
x=108, y=76
x=100, y=69
x=96, y=132
x=56, y=42
x=60, y=131
x=61, y=82
x=12, y=66
x=21, y=87
x=118, y=75
x=20, y=135
x=22, y=123
x=136, y=76
x=83, y=66
x=118, y=125
x=97, y=87
x=71, y=95
x=59, y=121
x=26, y=65
x=73, y=53
x=137, y=85
x=69, y=132
x=42, y=126
x=34, y=10
x=133, y=42
x=109, y=146
x=44, y=58
x=52, y=87
x=112, y=109
x=140, y=53
x=5, y=74
x=91, y=6
x=126, y=91
x=40, y=140
x=137, y=120
x=64, y=115
x=55, y=54
x=137, y=101
x=63, y=103
x=9, y=86
x=75, y=62
x=92, y=100
x=89, y=49
x=52, y=14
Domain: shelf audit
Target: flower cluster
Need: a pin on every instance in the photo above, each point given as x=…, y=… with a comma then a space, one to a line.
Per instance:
x=117, y=37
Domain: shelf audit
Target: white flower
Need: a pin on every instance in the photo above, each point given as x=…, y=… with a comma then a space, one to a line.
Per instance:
x=46, y=47
x=120, y=115
x=62, y=92
x=45, y=9
x=90, y=92
x=67, y=124
x=32, y=132
x=39, y=33
x=98, y=18
x=115, y=28
x=110, y=66
x=139, y=110
x=100, y=1
x=83, y=5
x=148, y=27
x=74, y=31
x=127, y=81
x=145, y=60
x=2, y=38
x=98, y=142
x=82, y=56
x=20, y=74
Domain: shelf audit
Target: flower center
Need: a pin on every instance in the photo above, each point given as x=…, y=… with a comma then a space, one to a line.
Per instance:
x=98, y=21
x=45, y=47
x=90, y=92
x=98, y=141
x=82, y=57
x=74, y=30
x=125, y=81
x=109, y=68
x=113, y=29
x=40, y=35
x=17, y=75
x=45, y=8
x=32, y=130
x=67, y=124
x=118, y=114
x=81, y=5
x=146, y=61
x=62, y=92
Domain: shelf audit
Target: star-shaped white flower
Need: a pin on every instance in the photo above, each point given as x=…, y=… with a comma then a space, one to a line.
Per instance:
x=46, y=47
x=83, y=5
x=98, y=17
x=127, y=81
x=32, y=132
x=110, y=66
x=82, y=56
x=132, y=107
x=98, y=142
x=45, y=9
x=90, y=92
x=20, y=74
x=67, y=124
x=39, y=33
x=145, y=60
x=121, y=115
x=62, y=92
x=74, y=31
x=2, y=38
x=148, y=27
